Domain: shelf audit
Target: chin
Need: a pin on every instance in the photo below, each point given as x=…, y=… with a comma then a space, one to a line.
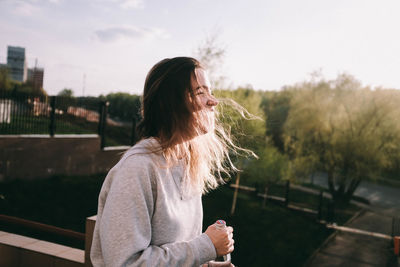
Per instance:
x=207, y=125
x=205, y=129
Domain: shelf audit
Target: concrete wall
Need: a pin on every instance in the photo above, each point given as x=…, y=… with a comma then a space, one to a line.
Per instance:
x=40, y=156
x=22, y=251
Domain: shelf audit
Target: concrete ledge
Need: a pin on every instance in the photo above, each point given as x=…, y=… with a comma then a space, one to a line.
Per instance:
x=90, y=223
x=17, y=250
x=116, y=148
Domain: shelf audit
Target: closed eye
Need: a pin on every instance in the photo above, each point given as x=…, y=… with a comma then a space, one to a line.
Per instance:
x=199, y=91
x=202, y=90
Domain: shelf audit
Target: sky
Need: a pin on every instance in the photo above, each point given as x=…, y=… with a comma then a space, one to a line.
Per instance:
x=103, y=46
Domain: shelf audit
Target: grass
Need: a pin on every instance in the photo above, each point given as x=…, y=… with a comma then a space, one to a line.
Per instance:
x=118, y=135
x=40, y=125
x=269, y=236
x=264, y=236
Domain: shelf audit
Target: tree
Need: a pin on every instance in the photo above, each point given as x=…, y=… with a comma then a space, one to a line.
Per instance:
x=342, y=129
x=66, y=92
x=276, y=107
x=5, y=82
x=211, y=54
x=26, y=88
x=270, y=168
x=239, y=110
x=123, y=106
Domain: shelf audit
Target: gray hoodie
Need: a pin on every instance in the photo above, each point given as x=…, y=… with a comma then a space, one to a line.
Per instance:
x=144, y=220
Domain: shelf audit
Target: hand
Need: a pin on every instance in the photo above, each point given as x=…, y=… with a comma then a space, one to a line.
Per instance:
x=221, y=238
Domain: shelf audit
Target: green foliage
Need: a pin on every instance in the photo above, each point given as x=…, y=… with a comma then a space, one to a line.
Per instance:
x=22, y=88
x=123, y=106
x=248, y=130
x=248, y=125
x=348, y=131
x=276, y=107
x=302, y=167
x=270, y=168
x=5, y=82
x=66, y=92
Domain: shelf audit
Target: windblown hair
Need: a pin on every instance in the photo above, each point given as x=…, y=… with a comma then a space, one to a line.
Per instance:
x=171, y=114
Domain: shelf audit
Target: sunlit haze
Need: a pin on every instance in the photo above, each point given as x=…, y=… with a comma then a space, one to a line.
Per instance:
x=104, y=46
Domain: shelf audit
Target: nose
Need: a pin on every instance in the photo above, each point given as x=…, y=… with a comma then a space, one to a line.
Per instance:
x=212, y=101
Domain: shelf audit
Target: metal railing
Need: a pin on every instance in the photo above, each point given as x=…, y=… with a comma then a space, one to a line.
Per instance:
x=41, y=227
x=38, y=114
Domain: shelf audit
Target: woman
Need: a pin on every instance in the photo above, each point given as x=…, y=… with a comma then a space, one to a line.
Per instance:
x=150, y=210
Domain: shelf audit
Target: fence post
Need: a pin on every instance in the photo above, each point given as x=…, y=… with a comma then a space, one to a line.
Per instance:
x=133, y=134
x=103, y=122
x=321, y=199
x=235, y=193
x=331, y=212
x=100, y=128
x=287, y=193
x=395, y=226
x=52, y=115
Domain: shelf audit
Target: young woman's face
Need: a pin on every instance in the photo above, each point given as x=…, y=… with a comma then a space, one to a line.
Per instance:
x=202, y=91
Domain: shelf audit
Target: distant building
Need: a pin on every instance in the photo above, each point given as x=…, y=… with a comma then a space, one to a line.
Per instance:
x=16, y=62
x=35, y=77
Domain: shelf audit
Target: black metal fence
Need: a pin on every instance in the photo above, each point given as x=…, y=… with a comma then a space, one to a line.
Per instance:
x=314, y=202
x=37, y=114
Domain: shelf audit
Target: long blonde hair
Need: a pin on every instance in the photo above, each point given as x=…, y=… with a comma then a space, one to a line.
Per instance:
x=168, y=115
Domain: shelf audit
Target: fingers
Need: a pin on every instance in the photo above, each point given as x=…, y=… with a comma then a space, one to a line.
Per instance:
x=231, y=246
x=231, y=249
x=230, y=241
x=228, y=246
x=221, y=238
x=230, y=235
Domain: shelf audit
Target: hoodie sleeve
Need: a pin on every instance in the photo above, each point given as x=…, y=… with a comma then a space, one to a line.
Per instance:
x=125, y=229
